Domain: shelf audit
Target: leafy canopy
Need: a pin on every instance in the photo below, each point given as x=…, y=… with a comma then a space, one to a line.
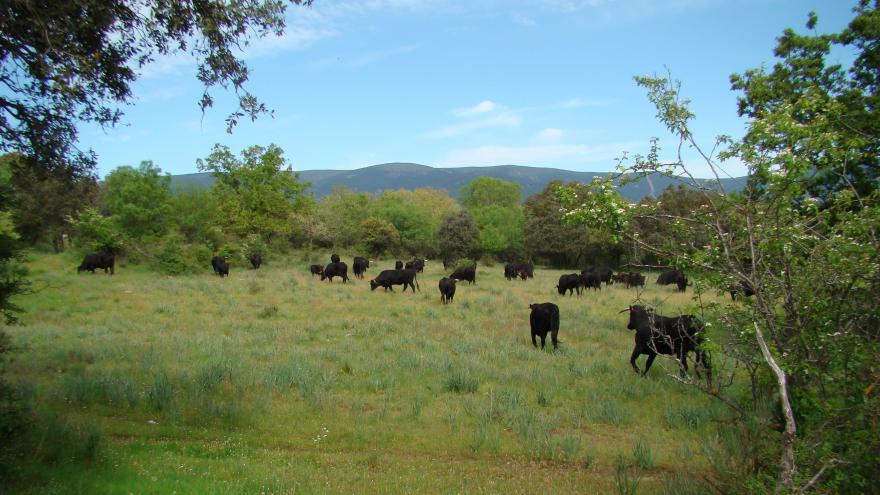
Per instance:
x=256, y=193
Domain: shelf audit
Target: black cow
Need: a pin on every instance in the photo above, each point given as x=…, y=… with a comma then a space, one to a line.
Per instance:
x=221, y=267
x=590, y=280
x=388, y=278
x=316, y=270
x=447, y=289
x=630, y=279
x=656, y=334
x=334, y=258
x=468, y=273
x=398, y=265
x=359, y=266
x=416, y=264
x=543, y=319
x=521, y=270
x=447, y=263
x=337, y=269
x=97, y=261
x=570, y=283
x=745, y=287
x=604, y=273
x=256, y=260
x=676, y=277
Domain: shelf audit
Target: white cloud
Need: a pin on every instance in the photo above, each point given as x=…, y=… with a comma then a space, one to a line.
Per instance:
x=504, y=119
x=363, y=59
x=550, y=134
x=484, y=106
x=522, y=19
x=543, y=154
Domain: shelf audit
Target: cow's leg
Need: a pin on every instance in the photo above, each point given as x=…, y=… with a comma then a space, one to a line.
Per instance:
x=543, y=338
x=553, y=335
x=635, y=355
x=534, y=342
x=651, y=356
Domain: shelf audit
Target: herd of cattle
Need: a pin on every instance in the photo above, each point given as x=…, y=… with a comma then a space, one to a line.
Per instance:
x=654, y=334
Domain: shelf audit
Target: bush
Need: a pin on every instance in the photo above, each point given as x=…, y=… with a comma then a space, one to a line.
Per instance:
x=176, y=258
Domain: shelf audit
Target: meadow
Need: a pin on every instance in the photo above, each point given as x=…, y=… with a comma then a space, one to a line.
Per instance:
x=271, y=381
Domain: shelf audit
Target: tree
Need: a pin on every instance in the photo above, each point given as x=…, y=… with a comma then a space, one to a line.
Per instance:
x=494, y=204
x=804, y=236
x=489, y=191
x=12, y=270
x=823, y=115
x=62, y=63
x=341, y=213
x=379, y=236
x=416, y=214
x=548, y=236
x=458, y=236
x=139, y=200
x=257, y=193
x=43, y=198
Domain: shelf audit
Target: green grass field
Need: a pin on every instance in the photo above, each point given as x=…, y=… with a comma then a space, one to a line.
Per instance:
x=271, y=381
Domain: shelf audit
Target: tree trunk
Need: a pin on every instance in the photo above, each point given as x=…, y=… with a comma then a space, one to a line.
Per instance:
x=787, y=467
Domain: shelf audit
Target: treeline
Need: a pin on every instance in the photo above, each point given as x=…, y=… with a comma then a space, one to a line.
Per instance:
x=257, y=204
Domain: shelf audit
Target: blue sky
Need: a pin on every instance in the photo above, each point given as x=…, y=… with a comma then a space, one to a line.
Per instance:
x=466, y=83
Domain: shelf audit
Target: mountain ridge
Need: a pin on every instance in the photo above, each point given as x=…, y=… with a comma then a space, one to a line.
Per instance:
x=404, y=175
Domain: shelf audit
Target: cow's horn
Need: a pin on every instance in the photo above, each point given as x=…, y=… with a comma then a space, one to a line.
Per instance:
x=623, y=311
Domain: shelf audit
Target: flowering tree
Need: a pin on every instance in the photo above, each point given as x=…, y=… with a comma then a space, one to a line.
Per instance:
x=808, y=340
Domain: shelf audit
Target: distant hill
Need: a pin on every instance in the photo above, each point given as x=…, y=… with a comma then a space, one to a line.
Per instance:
x=412, y=175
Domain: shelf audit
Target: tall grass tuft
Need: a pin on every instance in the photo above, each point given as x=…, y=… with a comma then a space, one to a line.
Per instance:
x=643, y=455
x=624, y=482
x=460, y=381
x=161, y=393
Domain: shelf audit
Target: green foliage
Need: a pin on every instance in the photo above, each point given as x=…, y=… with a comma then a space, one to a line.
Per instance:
x=416, y=215
x=41, y=199
x=81, y=64
x=195, y=213
x=379, y=236
x=804, y=234
x=341, y=213
x=489, y=191
x=548, y=236
x=174, y=257
x=96, y=233
x=252, y=244
x=256, y=193
x=458, y=236
x=139, y=200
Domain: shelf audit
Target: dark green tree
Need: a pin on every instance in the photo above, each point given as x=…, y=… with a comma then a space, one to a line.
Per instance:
x=549, y=237
x=458, y=236
x=43, y=198
x=63, y=63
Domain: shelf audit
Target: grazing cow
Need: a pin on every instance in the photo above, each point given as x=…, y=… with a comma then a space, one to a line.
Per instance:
x=630, y=279
x=591, y=280
x=521, y=270
x=359, y=266
x=334, y=258
x=416, y=264
x=447, y=263
x=673, y=277
x=97, y=261
x=398, y=265
x=468, y=273
x=447, y=290
x=656, y=334
x=570, y=283
x=604, y=273
x=337, y=269
x=221, y=267
x=256, y=260
x=388, y=278
x=316, y=270
x=543, y=319
x=743, y=286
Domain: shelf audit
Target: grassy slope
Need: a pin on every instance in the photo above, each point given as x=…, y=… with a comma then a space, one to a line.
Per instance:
x=271, y=381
